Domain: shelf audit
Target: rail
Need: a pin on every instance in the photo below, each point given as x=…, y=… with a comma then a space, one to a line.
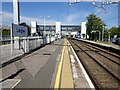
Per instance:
x=100, y=68
x=106, y=47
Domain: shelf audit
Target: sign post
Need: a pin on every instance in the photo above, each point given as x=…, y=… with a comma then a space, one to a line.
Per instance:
x=12, y=39
x=16, y=20
x=18, y=31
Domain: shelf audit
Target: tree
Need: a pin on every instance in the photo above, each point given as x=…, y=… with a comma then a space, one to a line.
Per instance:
x=94, y=24
x=114, y=31
x=5, y=32
x=23, y=24
x=29, y=28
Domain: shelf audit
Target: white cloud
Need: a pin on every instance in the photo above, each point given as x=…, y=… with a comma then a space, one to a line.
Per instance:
x=73, y=17
x=76, y=18
x=7, y=19
x=38, y=20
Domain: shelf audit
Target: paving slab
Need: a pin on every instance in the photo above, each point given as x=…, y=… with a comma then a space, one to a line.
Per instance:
x=66, y=77
x=39, y=66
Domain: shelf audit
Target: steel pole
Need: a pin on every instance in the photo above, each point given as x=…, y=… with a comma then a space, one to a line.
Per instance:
x=103, y=33
x=109, y=36
x=44, y=26
x=1, y=34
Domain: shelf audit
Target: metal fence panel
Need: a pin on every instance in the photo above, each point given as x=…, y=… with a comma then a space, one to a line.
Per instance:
x=7, y=50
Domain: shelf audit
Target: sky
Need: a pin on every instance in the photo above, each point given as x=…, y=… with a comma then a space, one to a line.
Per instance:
x=59, y=11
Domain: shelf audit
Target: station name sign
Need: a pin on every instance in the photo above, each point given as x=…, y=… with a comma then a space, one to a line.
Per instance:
x=19, y=30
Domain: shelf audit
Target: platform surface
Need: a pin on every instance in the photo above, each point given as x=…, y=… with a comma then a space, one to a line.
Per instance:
x=51, y=66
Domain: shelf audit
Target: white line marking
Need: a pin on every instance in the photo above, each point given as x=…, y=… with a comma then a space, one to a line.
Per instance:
x=75, y=75
x=69, y=49
x=58, y=58
x=71, y=56
x=72, y=60
x=16, y=84
x=83, y=70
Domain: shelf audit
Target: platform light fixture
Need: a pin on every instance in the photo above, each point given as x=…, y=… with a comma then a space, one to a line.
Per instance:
x=44, y=21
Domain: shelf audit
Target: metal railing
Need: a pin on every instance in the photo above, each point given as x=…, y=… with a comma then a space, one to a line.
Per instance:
x=26, y=44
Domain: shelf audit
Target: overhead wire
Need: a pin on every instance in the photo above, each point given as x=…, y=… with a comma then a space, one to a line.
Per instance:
x=103, y=1
x=107, y=13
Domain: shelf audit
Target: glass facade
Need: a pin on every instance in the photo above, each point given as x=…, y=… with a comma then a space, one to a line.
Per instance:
x=50, y=29
x=63, y=28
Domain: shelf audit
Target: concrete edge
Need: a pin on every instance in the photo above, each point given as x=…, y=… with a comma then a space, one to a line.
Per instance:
x=83, y=70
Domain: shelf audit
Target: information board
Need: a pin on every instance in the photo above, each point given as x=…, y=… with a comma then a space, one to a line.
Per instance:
x=18, y=30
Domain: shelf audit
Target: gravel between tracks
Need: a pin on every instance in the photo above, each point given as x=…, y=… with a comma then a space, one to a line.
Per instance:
x=102, y=71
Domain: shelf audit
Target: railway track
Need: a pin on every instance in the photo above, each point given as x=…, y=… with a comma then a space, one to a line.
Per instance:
x=102, y=66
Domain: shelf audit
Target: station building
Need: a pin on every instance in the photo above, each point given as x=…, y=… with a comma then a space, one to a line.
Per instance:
x=65, y=29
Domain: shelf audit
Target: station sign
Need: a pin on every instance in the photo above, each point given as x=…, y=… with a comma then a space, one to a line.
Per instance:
x=18, y=30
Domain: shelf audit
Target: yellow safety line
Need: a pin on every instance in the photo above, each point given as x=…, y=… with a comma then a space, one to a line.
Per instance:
x=6, y=45
x=66, y=77
x=57, y=81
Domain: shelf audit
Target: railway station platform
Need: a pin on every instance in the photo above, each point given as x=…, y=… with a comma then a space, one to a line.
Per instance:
x=102, y=44
x=55, y=65
x=110, y=47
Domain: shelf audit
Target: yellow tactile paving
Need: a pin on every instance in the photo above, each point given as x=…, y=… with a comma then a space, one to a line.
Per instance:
x=64, y=74
x=66, y=78
x=58, y=76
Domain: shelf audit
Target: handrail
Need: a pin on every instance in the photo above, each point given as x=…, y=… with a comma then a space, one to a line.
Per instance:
x=3, y=42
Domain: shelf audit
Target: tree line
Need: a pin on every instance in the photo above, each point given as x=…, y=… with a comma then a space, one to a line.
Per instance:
x=96, y=28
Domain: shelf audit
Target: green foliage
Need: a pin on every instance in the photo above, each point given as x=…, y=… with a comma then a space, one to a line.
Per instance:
x=94, y=23
x=29, y=28
x=6, y=32
x=106, y=34
x=114, y=31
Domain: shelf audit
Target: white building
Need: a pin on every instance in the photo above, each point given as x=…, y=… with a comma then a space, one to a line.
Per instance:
x=83, y=30
x=33, y=27
x=58, y=29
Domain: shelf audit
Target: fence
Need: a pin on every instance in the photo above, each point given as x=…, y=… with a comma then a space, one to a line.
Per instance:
x=26, y=44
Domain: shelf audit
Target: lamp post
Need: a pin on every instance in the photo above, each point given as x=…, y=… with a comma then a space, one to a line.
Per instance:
x=103, y=32
x=1, y=27
x=44, y=20
x=98, y=32
x=1, y=33
x=93, y=32
x=108, y=36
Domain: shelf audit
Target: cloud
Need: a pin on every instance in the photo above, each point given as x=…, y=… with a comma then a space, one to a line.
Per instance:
x=71, y=19
x=7, y=19
x=111, y=15
x=76, y=18
x=38, y=20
